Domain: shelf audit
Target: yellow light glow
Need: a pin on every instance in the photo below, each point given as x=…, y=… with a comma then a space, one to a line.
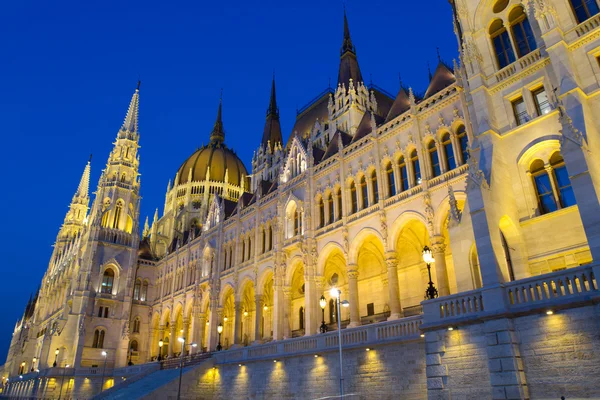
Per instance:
x=549, y=312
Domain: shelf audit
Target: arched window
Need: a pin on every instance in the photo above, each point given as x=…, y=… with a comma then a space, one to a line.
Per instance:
x=389, y=173
x=507, y=257
x=296, y=222
x=144, y=294
x=105, y=219
x=374, y=188
x=249, y=247
x=136, y=289
x=123, y=177
x=321, y=212
x=264, y=241
x=243, y=250
x=403, y=174
x=563, y=182
x=98, y=342
x=501, y=42
x=416, y=167
x=230, y=256
x=522, y=33
x=107, y=281
x=434, y=159
x=270, y=238
x=584, y=9
x=448, y=151
x=543, y=187
x=117, y=216
x=338, y=198
x=353, y=198
x=136, y=325
x=463, y=140
x=134, y=345
x=364, y=192
x=330, y=208
x=301, y=317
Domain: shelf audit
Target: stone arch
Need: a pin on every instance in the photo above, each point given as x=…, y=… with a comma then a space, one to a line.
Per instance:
x=265, y=276
x=360, y=237
x=226, y=289
x=325, y=253
x=399, y=224
x=166, y=316
x=441, y=214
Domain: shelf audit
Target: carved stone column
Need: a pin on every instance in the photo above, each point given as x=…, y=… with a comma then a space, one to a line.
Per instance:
x=438, y=249
x=258, y=334
x=172, y=338
x=237, y=333
x=393, y=286
x=186, y=335
x=287, y=310
x=353, y=294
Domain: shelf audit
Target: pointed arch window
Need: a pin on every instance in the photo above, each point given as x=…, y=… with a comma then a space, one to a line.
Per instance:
x=330, y=208
x=584, y=9
x=136, y=325
x=448, y=151
x=301, y=317
x=117, y=216
x=434, y=159
x=364, y=192
x=374, y=188
x=391, y=183
x=338, y=198
x=353, y=198
x=416, y=167
x=463, y=140
x=296, y=222
x=270, y=238
x=134, y=345
x=264, y=241
x=98, y=342
x=243, y=250
x=107, y=281
x=136, y=289
x=501, y=43
x=249, y=247
x=543, y=187
x=321, y=212
x=403, y=180
x=144, y=294
x=522, y=33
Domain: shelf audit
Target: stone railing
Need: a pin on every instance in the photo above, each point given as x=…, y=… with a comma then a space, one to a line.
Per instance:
x=561, y=285
x=586, y=26
x=368, y=335
x=457, y=305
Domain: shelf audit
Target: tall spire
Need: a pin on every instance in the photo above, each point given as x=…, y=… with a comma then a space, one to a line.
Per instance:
x=349, y=68
x=217, y=136
x=272, y=132
x=84, y=184
x=131, y=119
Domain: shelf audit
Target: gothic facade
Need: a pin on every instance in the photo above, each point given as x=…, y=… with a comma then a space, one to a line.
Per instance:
x=493, y=168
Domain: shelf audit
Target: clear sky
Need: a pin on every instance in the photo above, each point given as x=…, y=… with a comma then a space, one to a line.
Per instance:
x=68, y=70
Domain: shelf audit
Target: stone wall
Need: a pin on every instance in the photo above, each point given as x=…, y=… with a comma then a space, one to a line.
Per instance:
x=385, y=372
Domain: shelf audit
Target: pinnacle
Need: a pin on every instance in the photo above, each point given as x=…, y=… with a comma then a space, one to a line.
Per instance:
x=84, y=183
x=217, y=136
x=131, y=119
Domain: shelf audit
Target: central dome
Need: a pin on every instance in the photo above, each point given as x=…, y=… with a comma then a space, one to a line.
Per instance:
x=220, y=159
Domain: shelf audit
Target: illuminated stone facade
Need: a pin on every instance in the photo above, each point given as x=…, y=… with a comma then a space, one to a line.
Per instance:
x=493, y=168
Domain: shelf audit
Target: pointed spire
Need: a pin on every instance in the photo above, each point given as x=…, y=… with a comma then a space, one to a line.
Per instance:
x=272, y=131
x=84, y=184
x=131, y=119
x=155, y=216
x=217, y=136
x=349, y=68
x=347, y=43
x=273, y=109
x=146, y=231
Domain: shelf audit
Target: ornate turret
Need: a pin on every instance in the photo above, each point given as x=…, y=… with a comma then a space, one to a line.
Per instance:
x=76, y=216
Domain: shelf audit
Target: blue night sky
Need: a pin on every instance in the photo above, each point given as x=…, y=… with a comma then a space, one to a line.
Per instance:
x=69, y=69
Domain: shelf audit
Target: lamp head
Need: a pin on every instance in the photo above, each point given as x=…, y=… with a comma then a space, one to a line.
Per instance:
x=428, y=255
x=104, y=354
x=181, y=340
x=345, y=304
x=194, y=344
x=160, y=343
x=322, y=302
x=245, y=313
x=56, y=351
x=34, y=359
x=220, y=328
x=334, y=292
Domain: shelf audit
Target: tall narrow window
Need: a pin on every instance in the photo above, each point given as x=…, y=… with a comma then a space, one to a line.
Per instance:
x=117, y=216
x=507, y=257
x=542, y=104
x=463, y=140
x=416, y=167
x=105, y=219
x=243, y=250
x=264, y=241
x=543, y=187
x=301, y=317
x=584, y=9
x=520, y=111
x=435, y=159
x=522, y=33
x=330, y=207
x=249, y=248
x=136, y=289
x=144, y=294
x=374, y=187
x=364, y=192
x=403, y=177
x=107, y=281
x=501, y=42
x=563, y=182
x=338, y=198
x=136, y=325
x=448, y=151
x=353, y=198
x=321, y=213
x=389, y=173
x=270, y=238
x=296, y=222
x=95, y=341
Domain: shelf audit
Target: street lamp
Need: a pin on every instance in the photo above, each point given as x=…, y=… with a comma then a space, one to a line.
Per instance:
x=337, y=293
x=160, y=345
x=431, y=292
x=55, y=357
x=62, y=381
x=323, y=303
x=104, y=354
x=182, y=341
x=219, y=330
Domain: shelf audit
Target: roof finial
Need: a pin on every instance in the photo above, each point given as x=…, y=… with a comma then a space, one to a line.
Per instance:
x=90, y=159
x=138, y=85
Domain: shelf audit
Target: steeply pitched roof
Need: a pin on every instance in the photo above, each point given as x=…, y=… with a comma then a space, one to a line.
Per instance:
x=349, y=68
x=400, y=106
x=306, y=119
x=442, y=78
x=364, y=127
x=333, y=147
x=272, y=130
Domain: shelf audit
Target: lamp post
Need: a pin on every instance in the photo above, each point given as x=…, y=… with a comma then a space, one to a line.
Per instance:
x=55, y=357
x=323, y=303
x=431, y=292
x=182, y=341
x=335, y=292
x=104, y=354
x=219, y=330
x=62, y=381
x=160, y=345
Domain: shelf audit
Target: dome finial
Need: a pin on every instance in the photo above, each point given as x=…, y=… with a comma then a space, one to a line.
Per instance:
x=217, y=136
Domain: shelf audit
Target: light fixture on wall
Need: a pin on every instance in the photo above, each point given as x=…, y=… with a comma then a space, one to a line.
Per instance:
x=225, y=319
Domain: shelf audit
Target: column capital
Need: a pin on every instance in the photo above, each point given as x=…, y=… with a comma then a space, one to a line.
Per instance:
x=353, y=274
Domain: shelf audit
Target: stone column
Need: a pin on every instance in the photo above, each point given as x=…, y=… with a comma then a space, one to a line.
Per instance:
x=353, y=289
x=161, y=336
x=278, y=313
x=172, y=338
x=201, y=330
x=186, y=335
x=310, y=326
x=393, y=286
x=287, y=310
x=258, y=335
x=438, y=248
x=213, y=321
x=237, y=332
